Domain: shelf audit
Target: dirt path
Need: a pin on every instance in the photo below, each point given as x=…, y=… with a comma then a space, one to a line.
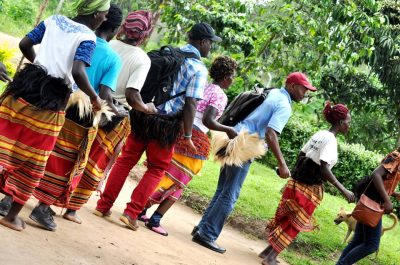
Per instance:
x=107, y=241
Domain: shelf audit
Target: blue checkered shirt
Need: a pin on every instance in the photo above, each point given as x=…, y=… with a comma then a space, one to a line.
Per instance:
x=192, y=78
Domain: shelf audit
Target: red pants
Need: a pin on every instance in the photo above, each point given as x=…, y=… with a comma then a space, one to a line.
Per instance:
x=158, y=159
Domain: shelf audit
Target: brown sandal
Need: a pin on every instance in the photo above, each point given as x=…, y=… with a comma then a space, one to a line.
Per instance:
x=101, y=214
x=131, y=223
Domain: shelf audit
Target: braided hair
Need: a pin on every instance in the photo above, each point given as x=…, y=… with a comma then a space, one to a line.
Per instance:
x=114, y=19
x=335, y=113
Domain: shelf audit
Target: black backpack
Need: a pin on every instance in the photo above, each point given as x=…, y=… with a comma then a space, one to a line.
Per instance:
x=243, y=104
x=165, y=66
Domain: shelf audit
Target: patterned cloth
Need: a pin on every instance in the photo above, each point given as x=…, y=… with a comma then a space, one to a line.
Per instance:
x=294, y=213
x=391, y=163
x=25, y=148
x=66, y=164
x=192, y=78
x=101, y=157
x=137, y=25
x=52, y=34
x=88, y=7
x=213, y=96
x=178, y=175
x=184, y=165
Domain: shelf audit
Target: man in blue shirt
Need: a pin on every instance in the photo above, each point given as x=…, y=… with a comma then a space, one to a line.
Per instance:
x=267, y=120
x=106, y=64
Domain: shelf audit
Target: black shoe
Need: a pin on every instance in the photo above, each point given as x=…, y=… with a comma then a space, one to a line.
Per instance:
x=5, y=205
x=208, y=244
x=43, y=217
x=194, y=231
x=52, y=212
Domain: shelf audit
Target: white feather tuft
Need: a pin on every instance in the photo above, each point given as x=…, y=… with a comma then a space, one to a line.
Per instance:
x=242, y=148
x=85, y=107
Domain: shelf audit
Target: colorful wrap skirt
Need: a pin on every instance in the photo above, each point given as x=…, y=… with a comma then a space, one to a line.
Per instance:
x=27, y=137
x=105, y=149
x=184, y=165
x=294, y=213
x=66, y=164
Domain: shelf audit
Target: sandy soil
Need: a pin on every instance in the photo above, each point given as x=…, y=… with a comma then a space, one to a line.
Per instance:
x=107, y=241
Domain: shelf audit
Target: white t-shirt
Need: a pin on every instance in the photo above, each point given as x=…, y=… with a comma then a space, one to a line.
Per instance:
x=322, y=146
x=59, y=45
x=135, y=66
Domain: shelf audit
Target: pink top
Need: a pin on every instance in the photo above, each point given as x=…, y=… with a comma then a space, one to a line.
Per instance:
x=213, y=96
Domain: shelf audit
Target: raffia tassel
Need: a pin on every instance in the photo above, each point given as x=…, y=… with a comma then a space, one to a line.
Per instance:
x=85, y=107
x=235, y=152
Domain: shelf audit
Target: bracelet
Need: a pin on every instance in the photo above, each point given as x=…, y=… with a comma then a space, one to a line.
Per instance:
x=187, y=136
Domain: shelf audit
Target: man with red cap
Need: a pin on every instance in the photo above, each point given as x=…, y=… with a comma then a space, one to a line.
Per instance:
x=267, y=120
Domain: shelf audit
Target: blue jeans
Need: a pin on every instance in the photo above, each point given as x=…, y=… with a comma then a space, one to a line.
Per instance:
x=230, y=182
x=365, y=241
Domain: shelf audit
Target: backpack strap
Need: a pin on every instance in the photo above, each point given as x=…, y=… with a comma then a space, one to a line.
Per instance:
x=172, y=97
x=176, y=52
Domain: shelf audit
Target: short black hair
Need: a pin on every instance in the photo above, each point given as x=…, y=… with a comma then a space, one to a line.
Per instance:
x=222, y=67
x=114, y=19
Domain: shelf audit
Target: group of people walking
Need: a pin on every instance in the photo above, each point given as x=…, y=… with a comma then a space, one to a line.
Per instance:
x=75, y=114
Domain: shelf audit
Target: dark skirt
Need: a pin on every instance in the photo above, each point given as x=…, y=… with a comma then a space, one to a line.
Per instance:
x=166, y=129
x=37, y=87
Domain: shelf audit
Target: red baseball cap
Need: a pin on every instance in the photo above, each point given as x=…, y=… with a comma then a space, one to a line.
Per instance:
x=297, y=78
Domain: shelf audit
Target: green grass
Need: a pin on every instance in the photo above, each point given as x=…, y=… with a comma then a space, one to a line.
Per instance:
x=12, y=27
x=259, y=198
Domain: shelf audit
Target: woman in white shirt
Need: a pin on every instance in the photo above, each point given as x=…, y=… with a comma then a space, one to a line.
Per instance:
x=304, y=192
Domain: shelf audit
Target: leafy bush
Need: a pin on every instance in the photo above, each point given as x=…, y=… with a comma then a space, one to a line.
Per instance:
x=6, y=54
x=20, y=10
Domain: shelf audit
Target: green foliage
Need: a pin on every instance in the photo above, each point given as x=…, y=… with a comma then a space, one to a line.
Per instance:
x=20, y=10
x=6, y=54
x=373, y=114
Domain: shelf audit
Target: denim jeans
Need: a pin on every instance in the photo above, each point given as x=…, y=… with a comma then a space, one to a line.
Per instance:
x=230, y=182
x=365, y=241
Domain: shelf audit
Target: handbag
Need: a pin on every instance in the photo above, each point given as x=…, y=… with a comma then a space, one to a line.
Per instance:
x=368, y=211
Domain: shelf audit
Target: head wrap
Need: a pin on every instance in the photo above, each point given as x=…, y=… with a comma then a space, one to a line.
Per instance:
x=137, y=26
x=88, y=7
x=335, y=113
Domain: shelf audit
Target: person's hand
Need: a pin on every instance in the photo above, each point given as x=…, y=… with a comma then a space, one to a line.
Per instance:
x=3, y=73
x=151, y=108
x=388, y=207
x=96, y=103
x=284, y=171
x=396, y=195
x=350, y=197
x=189, y=143
x=123, y=113
x=231, y=132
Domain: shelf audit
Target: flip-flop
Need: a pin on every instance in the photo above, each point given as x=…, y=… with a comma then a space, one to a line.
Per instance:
x=101, y=214
x=129, y=222
x=157, y=229
x=12, y=226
